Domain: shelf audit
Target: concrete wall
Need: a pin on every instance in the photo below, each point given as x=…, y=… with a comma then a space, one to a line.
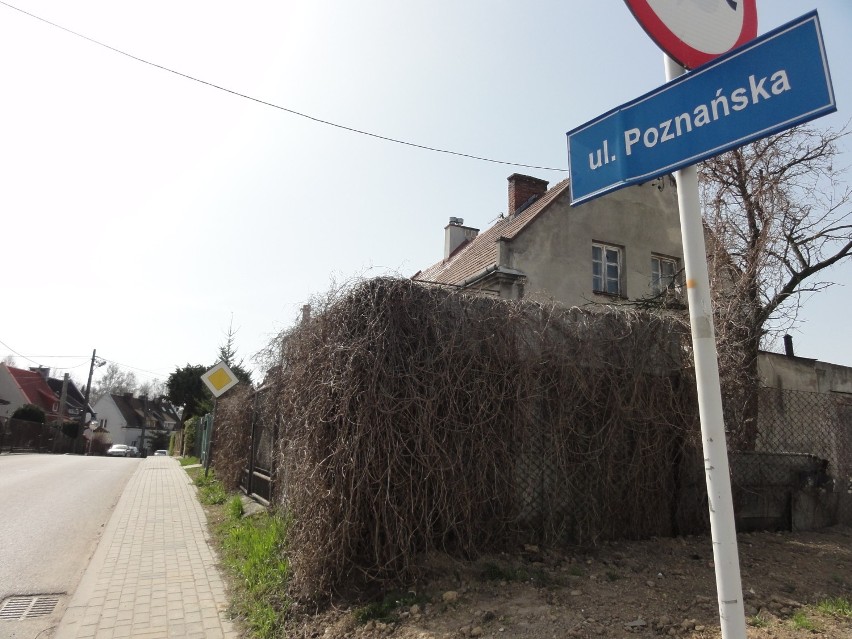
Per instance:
x=799, y=373
x=555, y=251
x=806, y=407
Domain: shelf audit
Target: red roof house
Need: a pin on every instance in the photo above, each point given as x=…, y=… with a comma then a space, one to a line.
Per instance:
x=21, y=387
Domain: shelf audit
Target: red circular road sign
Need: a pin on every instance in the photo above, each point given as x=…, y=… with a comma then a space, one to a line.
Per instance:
x=693, y=32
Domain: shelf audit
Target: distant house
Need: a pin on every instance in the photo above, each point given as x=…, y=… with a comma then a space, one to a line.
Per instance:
x=76, y=407
x=20, y=387
x=624, y=246
x=123, y=416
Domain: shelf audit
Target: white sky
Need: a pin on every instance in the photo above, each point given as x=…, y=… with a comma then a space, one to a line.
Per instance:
x=139, y=209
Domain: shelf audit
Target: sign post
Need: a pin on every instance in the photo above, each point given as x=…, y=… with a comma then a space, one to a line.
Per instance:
x=760, y=87
x=716, y=470
x=717, y=474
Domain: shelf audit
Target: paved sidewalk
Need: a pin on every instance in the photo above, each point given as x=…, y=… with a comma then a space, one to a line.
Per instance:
x=154, y=573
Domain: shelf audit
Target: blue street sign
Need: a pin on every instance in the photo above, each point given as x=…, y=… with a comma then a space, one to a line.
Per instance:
x=774, y=82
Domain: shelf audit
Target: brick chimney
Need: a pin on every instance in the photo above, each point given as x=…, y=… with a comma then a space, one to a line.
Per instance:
x=788, y=346
x=523, y=191
x=41, y=370
x=456, y=234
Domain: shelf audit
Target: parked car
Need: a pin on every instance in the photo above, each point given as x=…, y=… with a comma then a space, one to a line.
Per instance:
x=117, y=450
x=161, y=452
x=132, y=451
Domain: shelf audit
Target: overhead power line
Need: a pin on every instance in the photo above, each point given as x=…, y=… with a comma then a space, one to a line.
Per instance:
x=30, y=358
x=285, y=109
x=141, y=370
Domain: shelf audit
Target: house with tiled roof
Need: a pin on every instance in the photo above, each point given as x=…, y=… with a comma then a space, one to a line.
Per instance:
x=624, y=246
x=20, y=387
x=124, y=417
x=75, y=401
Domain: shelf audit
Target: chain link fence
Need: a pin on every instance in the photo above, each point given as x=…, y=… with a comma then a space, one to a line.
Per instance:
x=799, y=474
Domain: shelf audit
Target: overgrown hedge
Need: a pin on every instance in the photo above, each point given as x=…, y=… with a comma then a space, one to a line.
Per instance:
x=416, y=418
x=232, y=435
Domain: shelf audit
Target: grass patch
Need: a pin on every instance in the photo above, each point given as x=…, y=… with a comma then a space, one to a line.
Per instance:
x=234, y=507
x=836, y=606
x=252, y=550
x=801, y=622
x=758, y=622
x=188, y=461
x=210, y=490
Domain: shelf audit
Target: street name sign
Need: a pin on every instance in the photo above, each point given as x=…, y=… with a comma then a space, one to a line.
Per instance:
x=693, y=32
x=772, y=83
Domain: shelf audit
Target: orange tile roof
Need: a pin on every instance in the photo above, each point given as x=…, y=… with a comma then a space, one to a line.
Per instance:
x=481, y=252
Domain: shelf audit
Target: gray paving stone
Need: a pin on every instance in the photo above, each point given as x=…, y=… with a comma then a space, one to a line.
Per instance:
x=154, y=574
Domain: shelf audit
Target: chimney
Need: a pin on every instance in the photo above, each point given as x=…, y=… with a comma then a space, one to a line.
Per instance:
x=523, y=191
x=41, y=370
x=456, y=234
x=788, y=346
x=306, y=313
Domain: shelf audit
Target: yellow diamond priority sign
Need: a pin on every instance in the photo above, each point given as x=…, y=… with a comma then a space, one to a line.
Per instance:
x=219, y=379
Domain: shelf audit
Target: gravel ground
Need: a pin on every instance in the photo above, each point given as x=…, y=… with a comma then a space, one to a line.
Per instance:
x=652, y=588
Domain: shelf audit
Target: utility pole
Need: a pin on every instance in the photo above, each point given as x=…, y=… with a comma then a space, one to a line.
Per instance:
x=63, y=399
x=88, y=388
x=87, y=394
x=144, y=424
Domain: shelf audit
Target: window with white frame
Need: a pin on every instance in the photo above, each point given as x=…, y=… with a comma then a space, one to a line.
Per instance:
x=664, y=272
x=606, y=269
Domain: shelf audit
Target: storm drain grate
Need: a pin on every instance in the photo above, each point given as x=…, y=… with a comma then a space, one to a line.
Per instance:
x=17, y=608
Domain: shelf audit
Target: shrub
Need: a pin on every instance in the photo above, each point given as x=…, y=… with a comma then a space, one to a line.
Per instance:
x=30, y=413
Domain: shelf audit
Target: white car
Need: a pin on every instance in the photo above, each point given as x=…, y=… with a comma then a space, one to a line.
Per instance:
x=163, y=453
x=117, y=450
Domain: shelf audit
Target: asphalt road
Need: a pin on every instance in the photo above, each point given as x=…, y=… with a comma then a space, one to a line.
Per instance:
x=53, y=509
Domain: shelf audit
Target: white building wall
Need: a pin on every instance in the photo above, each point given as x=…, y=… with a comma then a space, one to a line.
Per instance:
x=10, y=391
x=110, y=416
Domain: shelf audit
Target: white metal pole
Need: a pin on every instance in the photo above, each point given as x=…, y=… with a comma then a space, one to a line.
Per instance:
x=722, y=529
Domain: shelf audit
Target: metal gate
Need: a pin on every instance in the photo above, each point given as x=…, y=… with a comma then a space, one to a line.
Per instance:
x=258, y=476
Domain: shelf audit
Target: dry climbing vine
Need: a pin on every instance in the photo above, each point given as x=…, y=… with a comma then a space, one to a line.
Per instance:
x=413, y=418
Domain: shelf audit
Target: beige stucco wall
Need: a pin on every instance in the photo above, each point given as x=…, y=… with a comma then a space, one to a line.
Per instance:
x=802, y=374
x=555, y=252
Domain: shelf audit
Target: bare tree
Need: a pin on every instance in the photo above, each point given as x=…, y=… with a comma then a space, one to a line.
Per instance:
x=115, y=381
x=9, y=360
x=152, y=388
x=777, y=214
